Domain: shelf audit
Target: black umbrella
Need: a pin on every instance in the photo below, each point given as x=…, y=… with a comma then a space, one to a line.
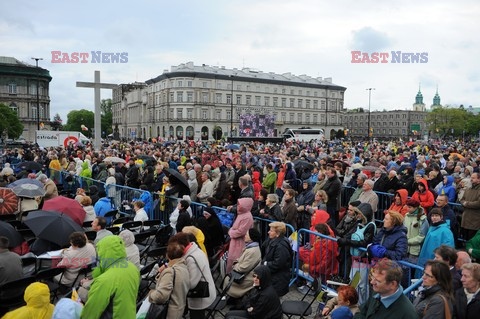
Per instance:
x=14, y=238
x=52, y=226
x=302, y=164
x=31, y=166
x=176, y=175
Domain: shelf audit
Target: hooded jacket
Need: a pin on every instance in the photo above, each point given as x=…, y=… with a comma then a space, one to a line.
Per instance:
x=426, y=198
x=115, y=283
x=133, y=253
x=264, y=301
x=257, y=186
x=437, y=235
x=102, y=173
x=448, y=189
x=306, y=197
x=37, y=297
x=103, y=206
x=237, y=232
x=86, y=171
x=402, y=208
x=269, y=182
x=417, y=228
x=394, y=240
x=322, y=259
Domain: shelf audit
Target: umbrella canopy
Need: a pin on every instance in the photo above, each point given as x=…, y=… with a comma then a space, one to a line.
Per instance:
x=298, y=164
x=52, y=226
x=68, y=206
x=31, y=166
x=176, y=175
x=23, y=181
x=14, y=237
x=8, y=201
x=29, y=190
x=372, y=168
x=113, y=159
x=233, y=147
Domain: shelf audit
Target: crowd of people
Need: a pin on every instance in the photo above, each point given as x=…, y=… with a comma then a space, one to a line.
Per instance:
x=337, y=190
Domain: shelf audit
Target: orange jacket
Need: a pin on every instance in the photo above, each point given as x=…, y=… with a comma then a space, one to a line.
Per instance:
x=402, y=208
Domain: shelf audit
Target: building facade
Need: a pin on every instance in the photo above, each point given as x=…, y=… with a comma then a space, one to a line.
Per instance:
x=189, y=101
x=386, y=124
x=18, y=90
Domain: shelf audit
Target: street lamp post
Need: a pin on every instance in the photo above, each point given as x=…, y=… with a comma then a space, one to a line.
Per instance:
x=231, y=108
x=38, y=98
x=369, y=113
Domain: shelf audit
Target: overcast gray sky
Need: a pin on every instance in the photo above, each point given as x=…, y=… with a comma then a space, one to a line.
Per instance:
x=302, y=37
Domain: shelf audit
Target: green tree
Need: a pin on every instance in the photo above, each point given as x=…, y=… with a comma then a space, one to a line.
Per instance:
x=442, y=120
x=9, y=123
x=56, y=124
x=106, y=109
x=75, y=120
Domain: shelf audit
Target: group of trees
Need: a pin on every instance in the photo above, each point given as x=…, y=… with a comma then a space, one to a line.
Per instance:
x=448, y=121
x=10, y=125
x=85, y=118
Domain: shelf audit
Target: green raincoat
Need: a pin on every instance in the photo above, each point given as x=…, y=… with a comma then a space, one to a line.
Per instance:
x=115, y=283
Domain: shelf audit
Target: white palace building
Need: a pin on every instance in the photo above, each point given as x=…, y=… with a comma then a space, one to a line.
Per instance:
x=189, y=101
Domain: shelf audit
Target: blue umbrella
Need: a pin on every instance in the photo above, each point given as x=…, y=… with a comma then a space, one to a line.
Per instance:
x=24, y=181
x=233, y=147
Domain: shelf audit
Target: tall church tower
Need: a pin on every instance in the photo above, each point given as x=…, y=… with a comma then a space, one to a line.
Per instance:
x=436, y=101
x=419, y=106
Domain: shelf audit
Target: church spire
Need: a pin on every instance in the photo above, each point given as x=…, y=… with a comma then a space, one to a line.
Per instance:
x=419, y=97
x=436, y=99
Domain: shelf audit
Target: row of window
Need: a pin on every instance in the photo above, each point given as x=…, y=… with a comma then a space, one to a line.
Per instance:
x=249, y=100
x=380, y=124
x=12, y=89
x=379, y=131
x=383, y=116
x=239, y=87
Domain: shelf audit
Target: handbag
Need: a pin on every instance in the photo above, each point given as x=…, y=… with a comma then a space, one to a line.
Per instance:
x=446, y=307
x=238, y=277
x=201, y=290
x=160, y=311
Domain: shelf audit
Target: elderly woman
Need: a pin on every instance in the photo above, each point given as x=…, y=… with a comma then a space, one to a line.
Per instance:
x=86, y=203
x=133, y=253
x=391, y=239
x=49, y=186
x=272, y=209
x=173, y=282
x=436, y=300
x=467, y=299
x=278, y=257
x=250, y=258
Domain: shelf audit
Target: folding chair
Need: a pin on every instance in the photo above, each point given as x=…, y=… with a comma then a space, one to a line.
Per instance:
x=111, y=214
x=115, y=230
x=6, y=218
x=120, y=220
x=153, y=223
x=91, y=235
x=11, y=293
x=15, y=223
x=47, y=277
x=87, y=224
x=132, y=226
x=145, y=280
x=221, y=300
x=26, y=233
x=83, y=272
x=27, y=263
x=301, y=308
x=156, y=254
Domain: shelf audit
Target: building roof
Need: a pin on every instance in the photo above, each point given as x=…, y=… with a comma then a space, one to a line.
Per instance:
x=12, y=66
x=245, y=75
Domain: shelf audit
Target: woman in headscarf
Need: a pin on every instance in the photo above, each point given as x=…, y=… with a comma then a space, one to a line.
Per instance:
x=212, y=228
x=37, y=297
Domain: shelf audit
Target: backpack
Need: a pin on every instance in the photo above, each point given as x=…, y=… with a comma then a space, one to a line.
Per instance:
x=359, y=235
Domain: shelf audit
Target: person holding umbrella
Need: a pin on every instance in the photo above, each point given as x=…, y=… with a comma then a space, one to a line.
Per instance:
x=10, y=263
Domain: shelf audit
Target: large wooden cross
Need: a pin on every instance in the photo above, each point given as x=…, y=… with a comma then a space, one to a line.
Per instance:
x=97, y=85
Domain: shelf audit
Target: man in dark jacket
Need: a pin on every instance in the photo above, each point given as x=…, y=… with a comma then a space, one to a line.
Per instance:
x=132, y=177
x=332, y=187
x=388, y=300
x=380, y=180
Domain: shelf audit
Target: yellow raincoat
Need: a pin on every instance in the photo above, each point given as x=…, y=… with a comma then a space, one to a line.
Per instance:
x=37, y=297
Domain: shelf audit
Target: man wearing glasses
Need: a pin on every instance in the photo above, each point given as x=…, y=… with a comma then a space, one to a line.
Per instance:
x=388, y=301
